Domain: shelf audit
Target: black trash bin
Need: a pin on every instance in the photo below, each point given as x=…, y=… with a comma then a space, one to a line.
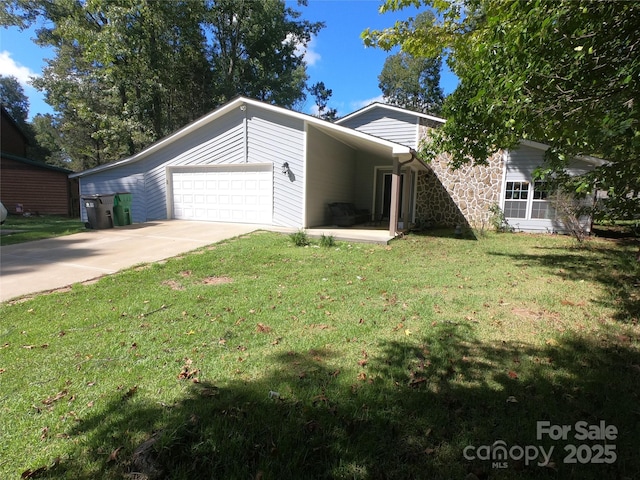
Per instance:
x=122, y=209
x=99, y=210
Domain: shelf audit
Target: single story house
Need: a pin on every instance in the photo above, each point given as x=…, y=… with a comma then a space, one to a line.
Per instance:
x=252, y=162
x=30, y=186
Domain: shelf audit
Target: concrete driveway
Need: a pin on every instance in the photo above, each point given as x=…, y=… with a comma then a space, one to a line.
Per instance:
x=44, y=265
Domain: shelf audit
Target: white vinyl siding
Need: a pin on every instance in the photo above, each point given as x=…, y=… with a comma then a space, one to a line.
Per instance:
x=112, y=182
x=332, y=166
x=277, y=139
x=399, y=127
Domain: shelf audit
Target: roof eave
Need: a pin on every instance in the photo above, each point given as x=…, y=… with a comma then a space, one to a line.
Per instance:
x=595, y=161
x=393, y=108
x=398, y=150
x=166, y=140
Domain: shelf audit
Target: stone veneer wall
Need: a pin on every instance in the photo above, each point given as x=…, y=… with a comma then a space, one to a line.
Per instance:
x=458, y=197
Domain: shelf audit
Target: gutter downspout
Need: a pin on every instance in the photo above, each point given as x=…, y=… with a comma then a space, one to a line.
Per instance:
x=245, y=127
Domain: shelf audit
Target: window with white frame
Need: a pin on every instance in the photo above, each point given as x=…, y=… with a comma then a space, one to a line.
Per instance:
x=541, y=203
x=515, y=199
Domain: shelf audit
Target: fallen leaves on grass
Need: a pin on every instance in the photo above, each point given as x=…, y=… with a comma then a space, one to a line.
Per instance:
x=113, y=456
x=31, y=347
x=526, y=313
x=322, y=399
x=130, y=393
x=417, y=381
x=216, y=280
x=55, y=398
x=173, y=285
x=189, y=373
x=569, y=303
x=262, y=328
x=363, y=361
x=33, y=473
x=40, y=470
x=320, y=326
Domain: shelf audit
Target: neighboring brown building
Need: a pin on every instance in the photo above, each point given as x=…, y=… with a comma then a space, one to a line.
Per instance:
x=14, y=141
x=29, y=186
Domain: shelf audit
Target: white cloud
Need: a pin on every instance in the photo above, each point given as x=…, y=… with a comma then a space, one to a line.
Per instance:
x=10, y=68
x=311, y=57
x=358, y=104
x=314, y=110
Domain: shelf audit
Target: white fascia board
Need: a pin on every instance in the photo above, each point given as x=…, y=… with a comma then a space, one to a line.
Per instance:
x=402, y=154
x=166, y=140
x=595, y=161
x=393, y=108
x=598, y=162
x=537, y=145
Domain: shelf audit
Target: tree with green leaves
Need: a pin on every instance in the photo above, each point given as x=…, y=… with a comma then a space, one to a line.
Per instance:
x=13, y=99
x=258, y=50
x=413, y=82
x=128, y=73
x=565, y=73
x=322, y=94
x=50, y=143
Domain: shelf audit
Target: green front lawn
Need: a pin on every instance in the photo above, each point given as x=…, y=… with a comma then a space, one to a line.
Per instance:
x=19, y=229
x=255, y=358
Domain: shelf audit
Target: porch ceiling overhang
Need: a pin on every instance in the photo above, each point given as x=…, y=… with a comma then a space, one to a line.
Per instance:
x=364, y=142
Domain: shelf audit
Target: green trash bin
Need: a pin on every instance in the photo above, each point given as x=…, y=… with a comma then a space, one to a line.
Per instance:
x=122, y=209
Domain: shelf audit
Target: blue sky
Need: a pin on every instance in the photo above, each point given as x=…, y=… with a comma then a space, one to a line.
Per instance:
x=336, y=56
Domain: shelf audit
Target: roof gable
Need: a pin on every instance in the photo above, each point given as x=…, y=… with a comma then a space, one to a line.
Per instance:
x=391, y=108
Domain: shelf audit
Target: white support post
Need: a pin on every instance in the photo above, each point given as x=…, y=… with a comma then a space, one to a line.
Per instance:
x=395, y=198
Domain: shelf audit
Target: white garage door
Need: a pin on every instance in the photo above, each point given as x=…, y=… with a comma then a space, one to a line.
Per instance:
x=238, y=194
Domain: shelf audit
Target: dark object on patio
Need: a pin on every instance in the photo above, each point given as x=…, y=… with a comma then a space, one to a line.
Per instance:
x=346, y=214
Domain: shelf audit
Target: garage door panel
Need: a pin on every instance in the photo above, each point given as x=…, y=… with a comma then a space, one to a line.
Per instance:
x=242, y=196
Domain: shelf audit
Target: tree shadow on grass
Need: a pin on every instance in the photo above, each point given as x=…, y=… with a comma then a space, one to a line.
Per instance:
x=608, y=264
x=409, y=410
